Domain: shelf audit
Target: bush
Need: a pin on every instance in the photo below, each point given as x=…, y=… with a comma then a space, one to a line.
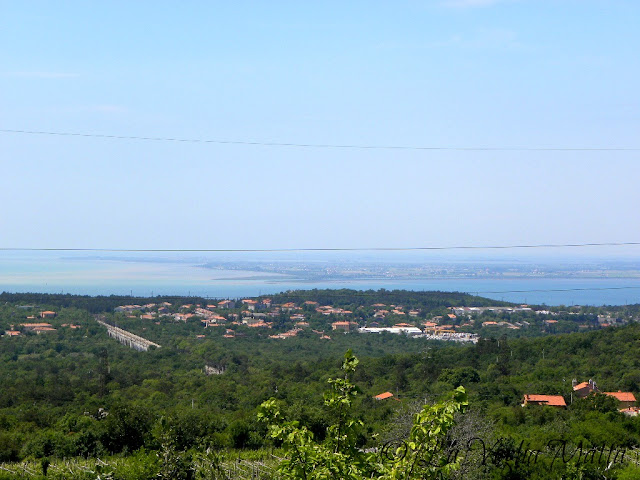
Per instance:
x=421, y=456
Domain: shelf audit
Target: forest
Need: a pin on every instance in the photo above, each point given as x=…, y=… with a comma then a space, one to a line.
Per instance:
x=75, y=393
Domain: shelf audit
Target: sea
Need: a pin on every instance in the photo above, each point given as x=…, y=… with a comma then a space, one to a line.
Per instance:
x=77, y=274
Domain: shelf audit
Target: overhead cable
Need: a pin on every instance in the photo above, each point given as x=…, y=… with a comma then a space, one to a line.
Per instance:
x=325, y=145
x=319, y=249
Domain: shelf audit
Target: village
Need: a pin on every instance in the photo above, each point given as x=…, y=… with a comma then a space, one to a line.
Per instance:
x=37, y=327
x=458, y=324
x=288, y=319
x=260, y=313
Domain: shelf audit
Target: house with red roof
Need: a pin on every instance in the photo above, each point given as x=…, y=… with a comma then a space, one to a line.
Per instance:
x=250, y=303
x=625, y=399
x=33, y=326
x=288, y=307
x=631, y=411
x=266, y=302
x=343, y=325
x=384, y=396
x=550, y=400
x=584, y=389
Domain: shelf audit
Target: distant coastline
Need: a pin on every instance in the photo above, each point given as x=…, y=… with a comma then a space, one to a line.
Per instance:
x=595, y=284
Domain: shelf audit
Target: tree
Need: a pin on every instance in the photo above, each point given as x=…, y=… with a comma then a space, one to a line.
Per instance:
x=338, y=456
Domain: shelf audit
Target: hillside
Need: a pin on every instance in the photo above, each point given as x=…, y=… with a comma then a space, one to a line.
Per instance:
x=73, y=391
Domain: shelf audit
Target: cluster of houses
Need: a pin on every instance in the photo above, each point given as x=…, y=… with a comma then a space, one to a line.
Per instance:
x=604, y=320
x=36, y=327
x=626, y=400
x=429, y=332
x=469, y=311
x=435, y=329
x=252, y=313
x=259, y=313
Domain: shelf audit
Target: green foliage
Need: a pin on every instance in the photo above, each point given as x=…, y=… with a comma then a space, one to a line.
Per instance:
x=55, y=386
x=423, y=455
x=208, y=465
x=459, y=376
x=127, y=428
x=174, y=463
x=338, y=456
x=595, y=403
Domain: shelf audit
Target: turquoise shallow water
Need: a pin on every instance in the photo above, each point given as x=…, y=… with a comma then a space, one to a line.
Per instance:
x=105, y=277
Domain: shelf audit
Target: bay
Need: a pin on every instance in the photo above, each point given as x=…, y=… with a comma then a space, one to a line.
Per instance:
x=93, y=276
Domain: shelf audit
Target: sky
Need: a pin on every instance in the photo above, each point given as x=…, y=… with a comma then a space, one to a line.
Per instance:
x=443, y=73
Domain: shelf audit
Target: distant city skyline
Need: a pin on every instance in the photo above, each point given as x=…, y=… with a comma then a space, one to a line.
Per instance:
x=441, y=73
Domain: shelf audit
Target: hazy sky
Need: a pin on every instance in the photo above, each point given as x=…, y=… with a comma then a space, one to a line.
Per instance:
x=441, y=73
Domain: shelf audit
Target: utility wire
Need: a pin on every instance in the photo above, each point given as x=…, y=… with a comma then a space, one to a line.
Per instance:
x=378, y=294
x=381, y=295
x=563, y=290
x=337, y=249
x=324, y=145
x=357, y=294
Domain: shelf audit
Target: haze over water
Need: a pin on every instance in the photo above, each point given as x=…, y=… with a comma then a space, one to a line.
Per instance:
x=184, y=275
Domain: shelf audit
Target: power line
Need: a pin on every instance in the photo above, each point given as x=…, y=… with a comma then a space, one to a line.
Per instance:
x=379, y=294
x=386, y=293
x=303, y=249
x=357, y=294
x=468, y=292
x=324, y=145
x=563, y=290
